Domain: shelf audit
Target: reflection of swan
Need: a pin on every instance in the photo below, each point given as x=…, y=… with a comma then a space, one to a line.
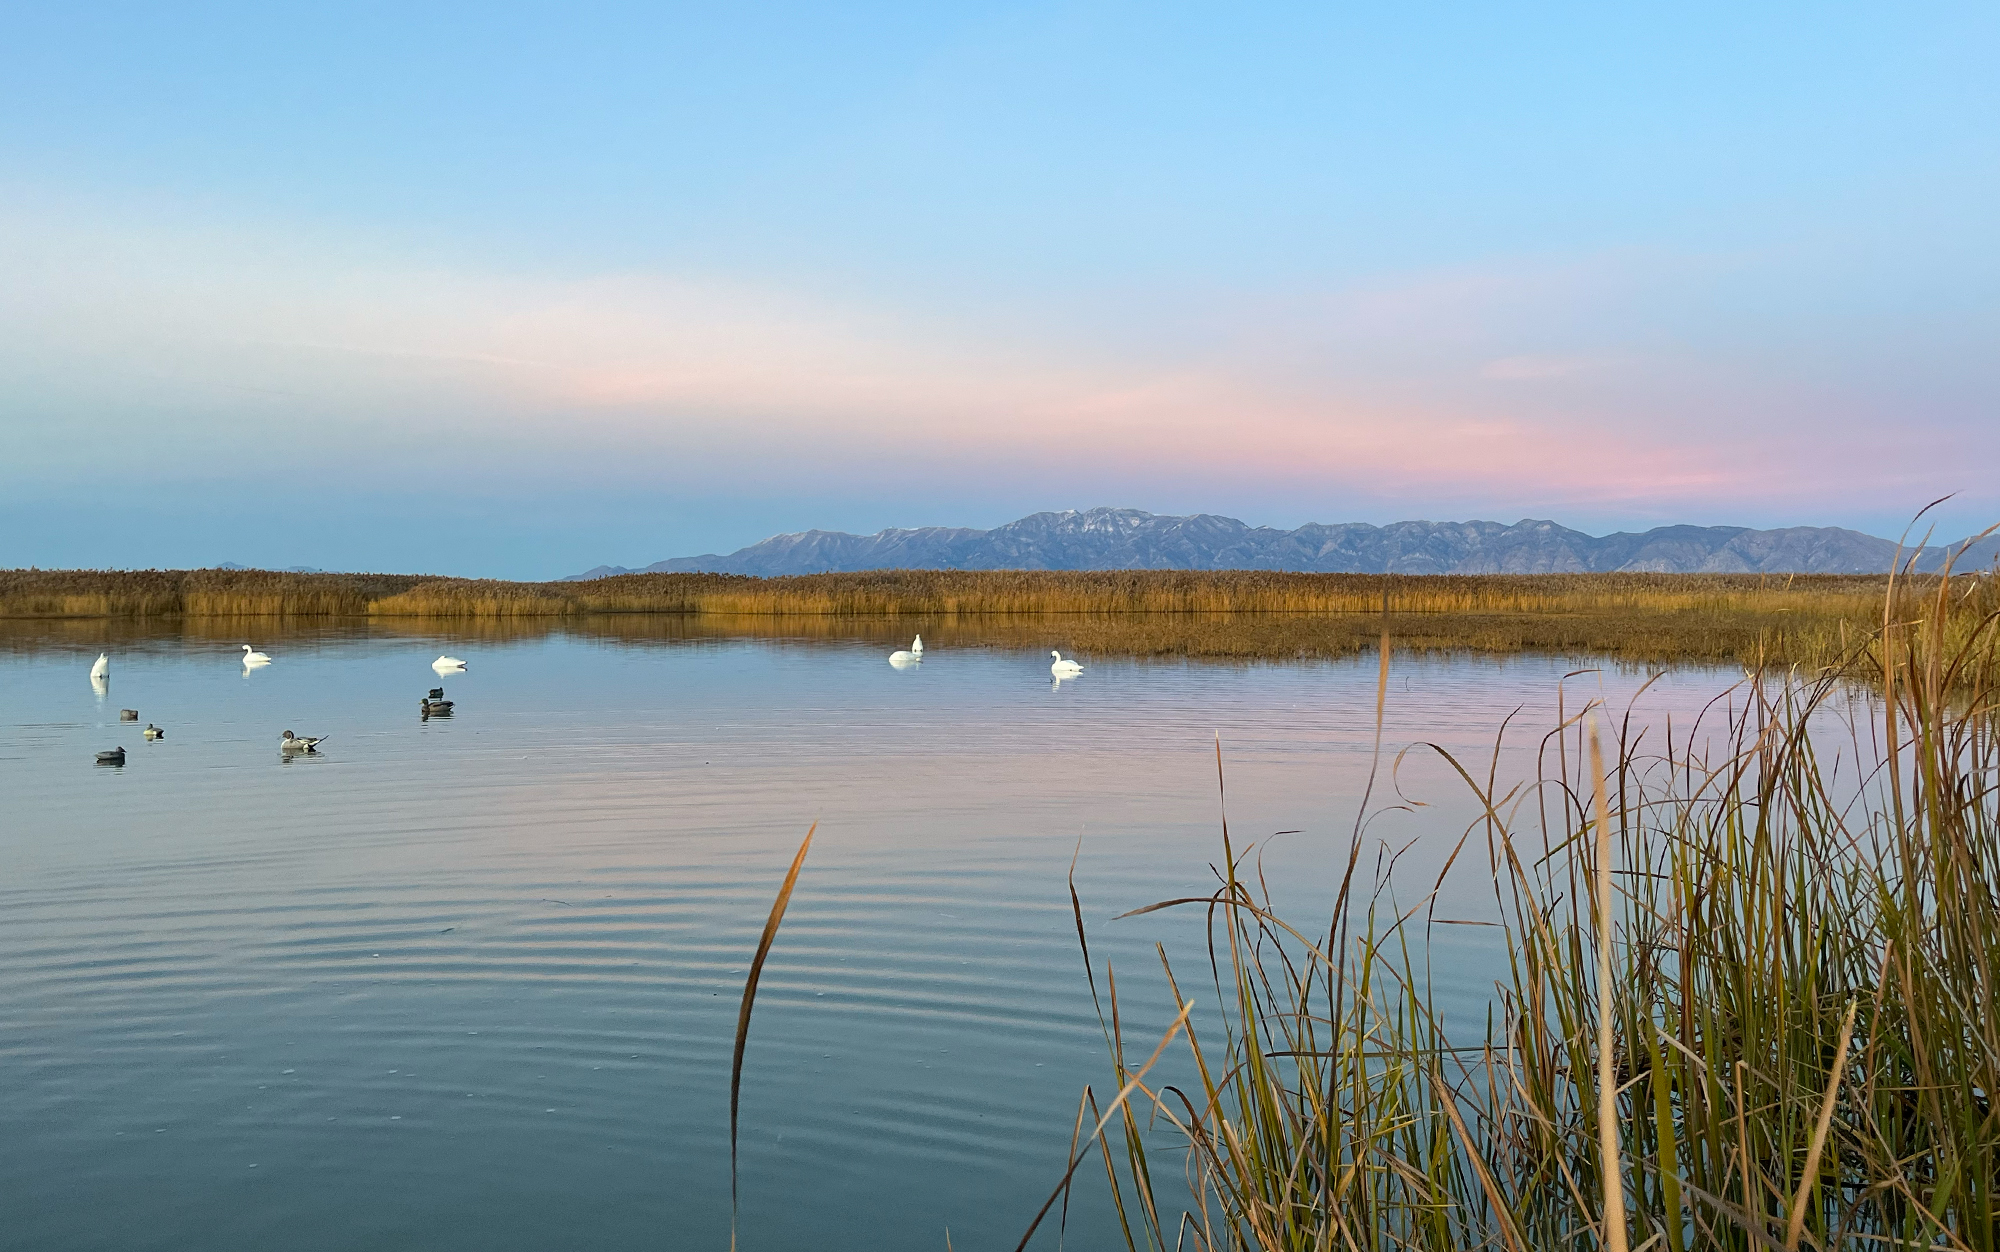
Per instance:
x=1064, y=669
x=444, y=663
x=100, y=684
x=293, y=743
x=252, y=659
x=102, y=669
x=911, y=657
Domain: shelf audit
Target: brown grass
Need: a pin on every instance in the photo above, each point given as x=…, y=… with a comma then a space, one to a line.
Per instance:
x=1806, y=620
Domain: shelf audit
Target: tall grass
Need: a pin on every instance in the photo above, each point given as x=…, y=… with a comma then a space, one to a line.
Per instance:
x=1814, y=621
x=1749, y=999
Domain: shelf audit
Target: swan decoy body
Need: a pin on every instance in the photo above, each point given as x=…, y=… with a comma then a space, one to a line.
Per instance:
x=252, y=657
x=102, y=667
x=294, y=743
x=153, y=732
x=445, y=663
x=114, y=757
x=1062, y=668
x=909, y=656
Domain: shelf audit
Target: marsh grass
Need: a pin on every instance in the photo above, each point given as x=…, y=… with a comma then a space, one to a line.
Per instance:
x=1808, y=621
x=1748, y=1001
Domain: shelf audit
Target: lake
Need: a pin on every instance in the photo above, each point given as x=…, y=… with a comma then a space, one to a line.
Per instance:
x=472, y=982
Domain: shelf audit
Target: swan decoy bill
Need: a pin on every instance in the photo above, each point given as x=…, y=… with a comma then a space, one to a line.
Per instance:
x=128, y=715
x=253, y=657
x=1063, y=668
x=153, y=732
x=444, y=663
x=102, y=667
x=114, y=757
x=294, y=743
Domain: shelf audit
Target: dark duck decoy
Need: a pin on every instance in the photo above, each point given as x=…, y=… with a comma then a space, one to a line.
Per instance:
x=434, y=708
x=114, y=757
x=153, y=732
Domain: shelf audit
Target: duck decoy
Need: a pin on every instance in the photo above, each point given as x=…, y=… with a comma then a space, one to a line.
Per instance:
x=1062, y=668
x=102, y=669
x=437, y=693
x=128, y=715
x=434, y=708
x=153, y=732
x=253, y=658
x=114, y=757
x=295, y=743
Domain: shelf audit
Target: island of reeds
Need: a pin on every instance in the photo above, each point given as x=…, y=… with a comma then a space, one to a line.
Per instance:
x=1805, y=620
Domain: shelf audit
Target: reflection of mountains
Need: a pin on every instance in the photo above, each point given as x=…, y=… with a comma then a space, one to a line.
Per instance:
x=1632, y=635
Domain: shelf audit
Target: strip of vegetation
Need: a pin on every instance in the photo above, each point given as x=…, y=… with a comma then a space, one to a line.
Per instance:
x=1808, y=621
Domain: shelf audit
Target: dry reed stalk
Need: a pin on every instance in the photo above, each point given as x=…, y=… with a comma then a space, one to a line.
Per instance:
x=764, y=942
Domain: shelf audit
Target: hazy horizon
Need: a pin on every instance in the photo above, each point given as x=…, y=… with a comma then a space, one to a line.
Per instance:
x=520, y=290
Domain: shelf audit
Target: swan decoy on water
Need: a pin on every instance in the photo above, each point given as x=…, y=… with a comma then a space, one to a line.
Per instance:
x=911, y=656
x=253, y=658
x=444, y=663
x=294, y=743
x=114, y=757
x=153, y=732
x=1062, y=668
x=102, y=668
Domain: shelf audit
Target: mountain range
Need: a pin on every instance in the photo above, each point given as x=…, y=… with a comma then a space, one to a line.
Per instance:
x=1100, y=539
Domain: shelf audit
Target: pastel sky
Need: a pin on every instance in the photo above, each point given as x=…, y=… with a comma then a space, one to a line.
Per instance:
x=514, y=290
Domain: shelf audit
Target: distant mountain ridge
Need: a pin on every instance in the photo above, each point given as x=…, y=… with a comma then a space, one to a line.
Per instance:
x=1105, y=538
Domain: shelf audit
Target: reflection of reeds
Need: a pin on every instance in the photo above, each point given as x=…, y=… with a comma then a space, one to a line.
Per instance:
x=1812, y=621
x=1751, y=1000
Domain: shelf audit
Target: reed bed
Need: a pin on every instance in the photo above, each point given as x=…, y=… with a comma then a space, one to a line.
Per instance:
x=1812, y=621
x=1749, y=999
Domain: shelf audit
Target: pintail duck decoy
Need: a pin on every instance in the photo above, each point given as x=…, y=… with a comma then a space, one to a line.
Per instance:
x=114, y=757
x=153, y=732
x=295, y=743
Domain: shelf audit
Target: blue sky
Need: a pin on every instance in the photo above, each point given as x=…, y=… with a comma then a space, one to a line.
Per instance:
x=516, y=290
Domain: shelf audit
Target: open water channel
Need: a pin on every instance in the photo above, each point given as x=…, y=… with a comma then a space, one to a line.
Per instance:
x=471, y=983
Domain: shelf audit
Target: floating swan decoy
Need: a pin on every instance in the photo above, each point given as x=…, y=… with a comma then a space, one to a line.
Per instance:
x=114, y=757
x=1062, y=668
x=253, y=658
x=444, y=663
x=911, y=656
x=102, y=669
x=128, y=715
x=153, y=732
x=294, y=743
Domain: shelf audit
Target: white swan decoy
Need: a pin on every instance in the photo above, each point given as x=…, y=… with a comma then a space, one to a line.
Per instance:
x=102, y=669
x=1062, y=668
x=444, y=663
x=253, y=658
x=915, y=653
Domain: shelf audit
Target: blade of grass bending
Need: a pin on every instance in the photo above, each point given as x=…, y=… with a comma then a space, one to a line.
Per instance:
x=749, y=1000
x=1797, y=1226
x=1607, y=1077
x=1124, y=1094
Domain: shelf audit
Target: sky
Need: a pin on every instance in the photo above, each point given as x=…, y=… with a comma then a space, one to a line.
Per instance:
x=515, y=290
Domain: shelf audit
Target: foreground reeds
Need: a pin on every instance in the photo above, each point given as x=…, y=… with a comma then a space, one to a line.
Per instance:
x=1749, y=1000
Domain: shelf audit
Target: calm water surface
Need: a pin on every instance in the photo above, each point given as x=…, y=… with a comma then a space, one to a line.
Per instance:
x=471, y=983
